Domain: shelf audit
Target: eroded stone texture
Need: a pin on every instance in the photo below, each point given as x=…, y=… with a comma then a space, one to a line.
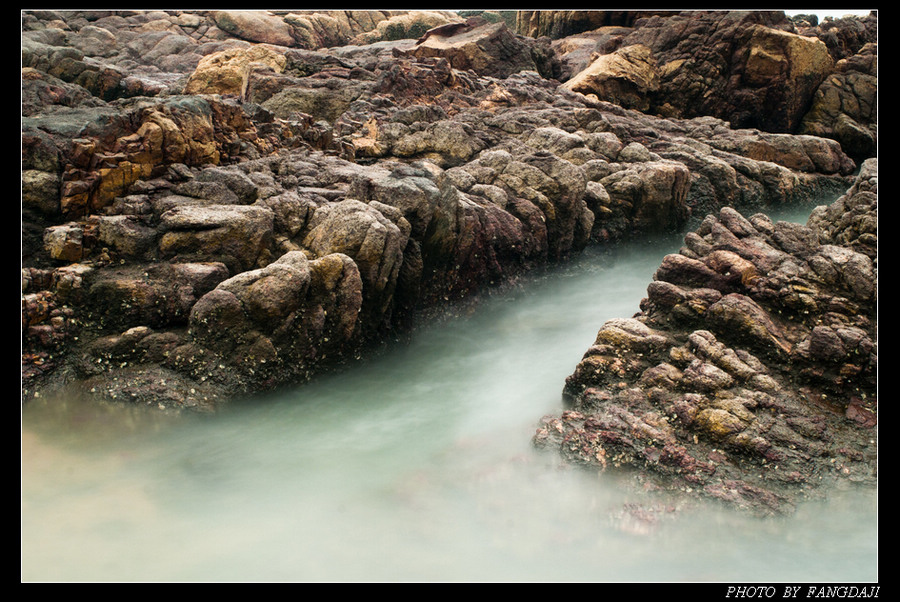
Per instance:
x=750, y=375
x=410, y=159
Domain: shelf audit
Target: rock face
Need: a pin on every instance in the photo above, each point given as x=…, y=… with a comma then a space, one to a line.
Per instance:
x=220, y=203
x=563, y=23
x=627, y=77
x=752, y=69
x=750, y=374
x=845, y=105
x=486, y=48
x=224, y=72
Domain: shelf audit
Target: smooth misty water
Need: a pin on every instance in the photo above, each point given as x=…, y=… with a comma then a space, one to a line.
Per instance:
x=414, y=466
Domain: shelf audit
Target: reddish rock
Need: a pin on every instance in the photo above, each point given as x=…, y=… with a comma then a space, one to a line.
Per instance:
x=742, y=356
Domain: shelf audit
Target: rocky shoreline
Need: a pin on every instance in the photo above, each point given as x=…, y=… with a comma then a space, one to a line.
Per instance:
x=750, y=374
x=221, y=203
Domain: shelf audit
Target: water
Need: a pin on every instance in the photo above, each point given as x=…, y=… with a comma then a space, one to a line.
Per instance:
x=413, y=466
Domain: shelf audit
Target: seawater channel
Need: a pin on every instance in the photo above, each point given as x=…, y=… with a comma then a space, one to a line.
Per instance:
x=413, y=466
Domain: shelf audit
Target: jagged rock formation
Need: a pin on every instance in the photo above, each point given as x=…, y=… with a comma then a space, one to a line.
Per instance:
x=750, y=374
x=845, y=106
x=752, y=69
x=558, y=24
x=218, y=203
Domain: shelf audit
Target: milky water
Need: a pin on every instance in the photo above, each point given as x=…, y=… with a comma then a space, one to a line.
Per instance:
x=415, y=465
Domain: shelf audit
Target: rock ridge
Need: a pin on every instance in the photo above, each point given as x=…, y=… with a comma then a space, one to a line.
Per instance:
x=750, y=374
x=220, y=203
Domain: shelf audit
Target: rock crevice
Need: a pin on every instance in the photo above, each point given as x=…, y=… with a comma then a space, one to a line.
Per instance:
x=219, y=203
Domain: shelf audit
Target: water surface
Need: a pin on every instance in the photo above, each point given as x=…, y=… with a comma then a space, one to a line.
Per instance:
x=415, y=465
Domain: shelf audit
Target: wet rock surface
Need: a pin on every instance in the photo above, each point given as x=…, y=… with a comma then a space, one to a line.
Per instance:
x=750, y=374
x=220, y=203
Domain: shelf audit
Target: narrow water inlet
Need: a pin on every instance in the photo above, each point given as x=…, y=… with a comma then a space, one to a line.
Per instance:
x=416, y=465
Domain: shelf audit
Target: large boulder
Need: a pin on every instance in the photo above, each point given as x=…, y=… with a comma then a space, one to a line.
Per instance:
x=410, y=25
x=238, y=235
x=627, y=77
x=485, y=48
x=781, y=70
x=373, y=241
x=272, y=325
x=327, y=29
x=652, y=194
x=225, y=72
x=255, y=26
x=845, y=106
x=155, y=296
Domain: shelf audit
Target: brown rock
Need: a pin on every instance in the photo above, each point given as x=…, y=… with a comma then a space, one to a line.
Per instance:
x=490, y=49
x=373, y=241
x=627, y=77
x=255, y=26
x=412, y=25
x=238, y=235
x=561, y=23
x=845, y=105
x=225, y=72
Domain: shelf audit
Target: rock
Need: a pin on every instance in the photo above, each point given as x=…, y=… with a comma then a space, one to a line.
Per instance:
x=627, y=77
x=375, y=244
x=718, y=387
x=802, y=63
x=487, y=49
x=149, y=296
x=739, y=318
x=64, y=243
x=94, y=41
x=240, y=236
x=445, y=142
x=846, y=269
x=413, y=192
x=681, y=74
x=651, y=194
x=320, y=100
x=291, y=212
x=326, y=29
x=844, y=37
x=226, y=72
x=554, y=186
x=412, y=25
x=41, y=90
x=558, y=24
x=851, y=220
x=126, y=236
x=237, y=182
x=272, y=324
x=40, y=191
x=137, y=144
x=407, y=180
x=255, y=26
x=845, y=105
